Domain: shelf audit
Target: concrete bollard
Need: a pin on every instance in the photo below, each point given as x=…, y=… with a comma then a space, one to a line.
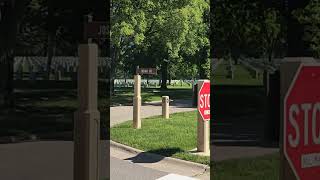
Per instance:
x=165, y=107
x=137, y=102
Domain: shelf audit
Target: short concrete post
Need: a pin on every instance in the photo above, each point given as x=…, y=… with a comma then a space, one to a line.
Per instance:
x=203, y=130
x=87, y=118
x=165, y=107
x=137, y=102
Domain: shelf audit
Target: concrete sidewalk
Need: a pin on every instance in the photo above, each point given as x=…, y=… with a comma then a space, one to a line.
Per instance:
x=121, y=114
x=44, y=160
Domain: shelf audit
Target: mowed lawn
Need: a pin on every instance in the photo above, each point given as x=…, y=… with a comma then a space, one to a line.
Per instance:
x=259, y=168
x=174, y=137
x=241, y=76
x=124, y=96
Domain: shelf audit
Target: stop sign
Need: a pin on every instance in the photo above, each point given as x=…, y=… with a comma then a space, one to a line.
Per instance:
x=302, y=123
x=204, y=101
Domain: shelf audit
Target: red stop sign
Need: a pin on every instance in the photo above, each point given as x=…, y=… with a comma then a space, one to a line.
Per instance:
x=204, y=101
x=302, y=123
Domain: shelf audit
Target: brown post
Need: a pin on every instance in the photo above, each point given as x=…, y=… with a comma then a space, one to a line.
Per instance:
x=87, y=118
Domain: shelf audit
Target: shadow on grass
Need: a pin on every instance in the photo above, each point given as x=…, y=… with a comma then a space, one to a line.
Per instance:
x=42, y=115
x=154, y=156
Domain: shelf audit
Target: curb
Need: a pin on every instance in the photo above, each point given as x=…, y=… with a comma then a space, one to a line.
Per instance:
x=168, y=159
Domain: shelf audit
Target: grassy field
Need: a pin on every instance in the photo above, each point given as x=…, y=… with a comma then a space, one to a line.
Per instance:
x=171, y=138
x=241, y=76
x=46, y=114
x=125, y=95
x=260, y=168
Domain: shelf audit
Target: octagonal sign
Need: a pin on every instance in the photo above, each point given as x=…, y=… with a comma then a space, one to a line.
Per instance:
x=302, y=123
x=204, y=101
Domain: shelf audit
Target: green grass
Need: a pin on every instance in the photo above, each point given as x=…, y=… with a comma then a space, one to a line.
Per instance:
x=125, y=95
x=259, y=168
x=45, y=112
x=241, y=76
x=172, y=138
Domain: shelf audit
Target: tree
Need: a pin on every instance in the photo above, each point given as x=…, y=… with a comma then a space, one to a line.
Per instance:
x=309, y=17
x=164, y=30
x=246, y=28
x=272, y=34
x=11, y=15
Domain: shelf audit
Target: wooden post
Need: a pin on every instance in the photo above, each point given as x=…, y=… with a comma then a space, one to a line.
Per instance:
x=87, y=118
x=137, y=102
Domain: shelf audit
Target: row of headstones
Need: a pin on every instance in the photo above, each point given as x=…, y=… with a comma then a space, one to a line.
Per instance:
x=254, y=72
x=152, y=83
x=230, y=69
x=254, y=66
x=37, y=70
x=65, y=62
x=59, y=73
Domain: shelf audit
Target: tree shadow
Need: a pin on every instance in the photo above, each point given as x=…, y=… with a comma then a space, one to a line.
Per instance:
x=154, y=156
x=32, y=118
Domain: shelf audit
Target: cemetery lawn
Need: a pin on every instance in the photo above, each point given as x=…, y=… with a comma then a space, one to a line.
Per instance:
x=124, y=96
x=174, y=137
x=259, y=168
x=47, y=114
x=242, y=76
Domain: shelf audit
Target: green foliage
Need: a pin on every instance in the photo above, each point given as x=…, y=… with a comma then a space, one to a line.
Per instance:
x=246, y=28
x=310, y=18
x=156, y=30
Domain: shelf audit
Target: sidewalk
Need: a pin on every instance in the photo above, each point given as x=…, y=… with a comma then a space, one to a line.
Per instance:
x=44, y=160
x=121, y=114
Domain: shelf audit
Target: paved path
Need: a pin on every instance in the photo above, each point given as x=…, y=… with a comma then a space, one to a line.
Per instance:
x=46, y=160
x=123, y=170
x=121, y=114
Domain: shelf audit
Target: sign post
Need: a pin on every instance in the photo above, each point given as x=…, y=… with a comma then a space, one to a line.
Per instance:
x=300, y=147
x=87, y=118
x=137, y=102
x=203, y=143
x=86, y=161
